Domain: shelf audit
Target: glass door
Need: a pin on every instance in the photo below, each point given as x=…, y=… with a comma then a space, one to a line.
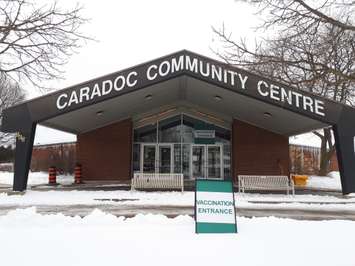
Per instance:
x=198, y=161
x=157, y=158
x=148, y=158
x=214, y=162
x=165, y=158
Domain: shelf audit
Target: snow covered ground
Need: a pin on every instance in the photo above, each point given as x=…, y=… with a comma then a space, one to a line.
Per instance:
x=178, y=199
x=103, y=239
x=57, y=197
x=35, y=178
x=74, y=197
x=332, y=181
x=29, y=238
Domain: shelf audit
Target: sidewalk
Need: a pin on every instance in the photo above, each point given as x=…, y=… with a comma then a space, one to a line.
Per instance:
x=173, y=211
x=118, y=200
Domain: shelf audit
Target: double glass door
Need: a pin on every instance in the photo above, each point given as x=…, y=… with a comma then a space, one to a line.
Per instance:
x=157, y=158
x=206, y=161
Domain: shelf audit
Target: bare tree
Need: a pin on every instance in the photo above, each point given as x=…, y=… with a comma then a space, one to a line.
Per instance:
x=10, y=94
x=36, y=41
x=314, y=50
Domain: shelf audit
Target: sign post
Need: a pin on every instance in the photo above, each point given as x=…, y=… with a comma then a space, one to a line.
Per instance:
x=214, y=207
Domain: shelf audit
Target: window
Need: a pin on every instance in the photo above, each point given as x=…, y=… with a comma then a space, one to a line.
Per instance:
x=179, y=132
x=147, y=133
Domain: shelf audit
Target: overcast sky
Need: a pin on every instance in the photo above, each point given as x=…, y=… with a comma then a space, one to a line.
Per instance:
x=132, y=32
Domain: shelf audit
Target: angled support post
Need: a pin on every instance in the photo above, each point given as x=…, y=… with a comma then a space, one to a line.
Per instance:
x=23, y=153
x=344, y=133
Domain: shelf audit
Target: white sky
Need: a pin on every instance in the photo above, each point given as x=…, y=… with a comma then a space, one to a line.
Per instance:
x=132, y=32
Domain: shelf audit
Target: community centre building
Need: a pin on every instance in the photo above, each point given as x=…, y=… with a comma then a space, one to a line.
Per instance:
x=181, y=113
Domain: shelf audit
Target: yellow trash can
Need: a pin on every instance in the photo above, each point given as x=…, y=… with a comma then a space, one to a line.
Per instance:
x=300, y=180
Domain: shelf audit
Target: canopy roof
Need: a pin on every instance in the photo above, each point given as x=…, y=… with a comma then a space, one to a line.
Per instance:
x=180, y=79
x=183, y=79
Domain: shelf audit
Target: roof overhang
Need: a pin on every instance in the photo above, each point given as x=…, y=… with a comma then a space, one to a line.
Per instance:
x=182, y=78
x=188, y=79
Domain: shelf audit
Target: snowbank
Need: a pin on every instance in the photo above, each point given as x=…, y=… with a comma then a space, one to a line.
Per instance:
x=55, y=197
x=28, y=238
x=332, y=181
x=249, y=200
x=307, y=139
x=35, y=178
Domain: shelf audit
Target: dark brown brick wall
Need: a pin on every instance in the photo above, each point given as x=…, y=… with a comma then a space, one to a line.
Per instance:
x=334, y=166
x=105, y=153
x=60, y=155
x=258, y=151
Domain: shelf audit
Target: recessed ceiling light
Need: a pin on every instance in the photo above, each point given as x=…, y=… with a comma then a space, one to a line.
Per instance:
x=148, y=97
x=267, y=114
x=218, y=98
x=99, y=113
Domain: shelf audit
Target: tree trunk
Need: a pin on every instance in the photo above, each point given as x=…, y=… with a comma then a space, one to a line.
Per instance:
x=326, y=153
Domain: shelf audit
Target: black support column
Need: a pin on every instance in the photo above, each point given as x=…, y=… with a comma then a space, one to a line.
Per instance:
x=344, y=133
x=24, y=144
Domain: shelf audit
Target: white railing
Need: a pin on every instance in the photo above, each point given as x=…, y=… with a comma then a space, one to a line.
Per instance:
x=158, y=181
x=265, y=182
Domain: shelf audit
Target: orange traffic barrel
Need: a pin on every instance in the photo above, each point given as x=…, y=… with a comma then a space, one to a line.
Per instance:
x=78, y=174
x=52, y=175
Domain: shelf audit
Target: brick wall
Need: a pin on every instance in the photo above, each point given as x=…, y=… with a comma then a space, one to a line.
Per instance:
x=258, y=151
x=254, y=151
x=60, y=155
x=105, y=153
x=334, y=163
x=306, y=160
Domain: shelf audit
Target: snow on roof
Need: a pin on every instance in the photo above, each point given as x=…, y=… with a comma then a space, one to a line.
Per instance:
x=307, y=139
x=45, y=135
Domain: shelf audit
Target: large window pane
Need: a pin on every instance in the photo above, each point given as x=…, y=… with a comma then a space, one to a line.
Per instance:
x=170, y=129
x=146, y=134
x=136, y=157
x=186, y=160
x=179, y=130
x=227, y=161
x=177, y=158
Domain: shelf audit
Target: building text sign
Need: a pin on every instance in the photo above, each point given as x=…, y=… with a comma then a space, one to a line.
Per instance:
x=143, y=75
x=214, y=207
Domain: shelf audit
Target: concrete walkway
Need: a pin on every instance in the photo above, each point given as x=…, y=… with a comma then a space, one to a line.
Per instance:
x=255, y=208
x=129, y=210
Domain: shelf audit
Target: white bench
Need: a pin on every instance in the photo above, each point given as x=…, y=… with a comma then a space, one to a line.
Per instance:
x=156, y=181
x=265, y=182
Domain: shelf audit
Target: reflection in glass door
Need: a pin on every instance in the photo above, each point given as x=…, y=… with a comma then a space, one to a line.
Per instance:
x=214, y=167
x=157, y=158
x=165, y=156
x=198, y=161
x=206, y=161
x=149, y=158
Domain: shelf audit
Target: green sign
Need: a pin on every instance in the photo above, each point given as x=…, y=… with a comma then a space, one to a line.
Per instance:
x=214, y=207
x=204, y=133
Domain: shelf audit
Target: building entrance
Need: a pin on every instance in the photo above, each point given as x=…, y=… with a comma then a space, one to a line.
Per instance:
x=157, y=158
x=206, y=161
x=182, y=144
